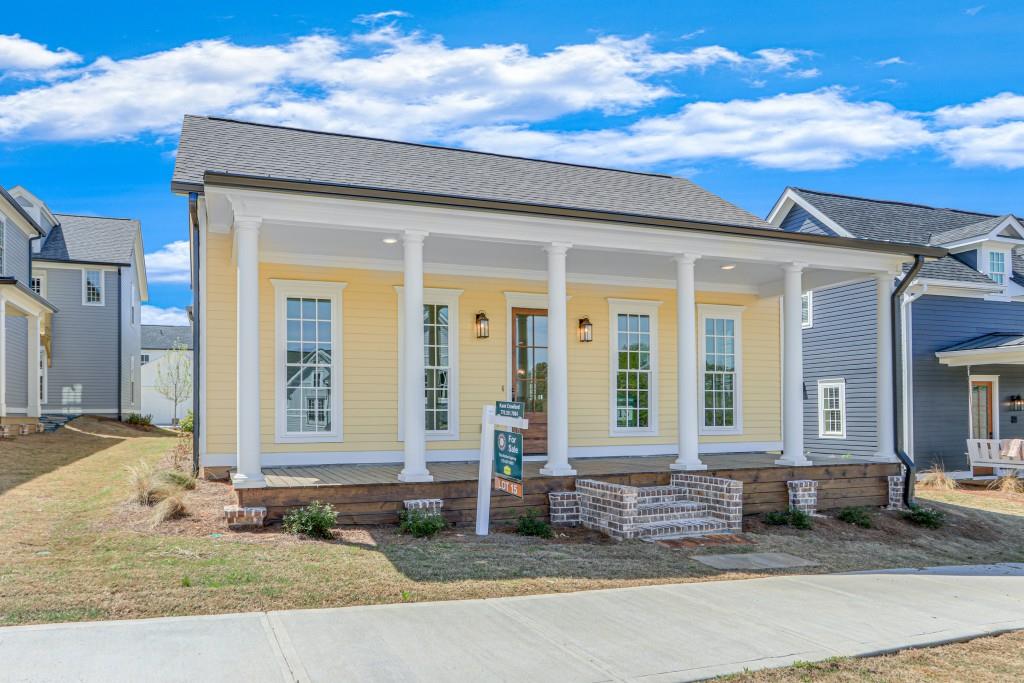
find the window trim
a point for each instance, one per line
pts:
(807, 296)
(822, 384)
(450, 298)
(649, 308)
(985, 263)
(41, 276)
(734, 313)
(283, 289)
(103, 287)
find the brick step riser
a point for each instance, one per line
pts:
(672, 517)
(675, 512)
(679, 531)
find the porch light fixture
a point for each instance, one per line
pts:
(728, 266)
(586, 330)
(483, 326)
(390, 240)
(1016, 403)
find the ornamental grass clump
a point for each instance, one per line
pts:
(1010, 483)
(183, 480)
(171, 507)
(315, 520)
(421, 523)
(937, 480)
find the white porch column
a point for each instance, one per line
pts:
(558, 371)
(793, 370)
(413, 391)
(33, 366)
(883, 368)
(686, 309)
(248, 473)
(3, 356)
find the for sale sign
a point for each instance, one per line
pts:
(508, 462)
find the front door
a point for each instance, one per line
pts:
(981, 410)
(530, 374)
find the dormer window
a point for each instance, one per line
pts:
(997, 266)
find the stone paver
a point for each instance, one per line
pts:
(754, 561)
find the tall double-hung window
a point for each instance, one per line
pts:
(997, 266)
(634, 366)
(92, 287)
(832, 408)
(440, 361)
(721, 369)
(308, 358)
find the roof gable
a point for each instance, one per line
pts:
(166, 336)
(91, 239)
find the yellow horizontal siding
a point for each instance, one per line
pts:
(370, 357)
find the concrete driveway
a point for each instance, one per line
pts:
(660, 633)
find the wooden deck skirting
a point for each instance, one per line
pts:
(370, 494)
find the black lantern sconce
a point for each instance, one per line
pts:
(586, 330)
(1016, 404)
(483, 326)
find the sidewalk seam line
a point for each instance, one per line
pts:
(288, 657)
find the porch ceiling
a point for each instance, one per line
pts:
(490, 257)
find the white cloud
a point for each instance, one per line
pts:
(777, 58)
(817, 130)
(1006, 106)
(804, 73)
(989, 132)
(154, 315)
(19, 54)
(973, 11)
(380, 16)
(170, 263)
(693, 34)
(890, 61)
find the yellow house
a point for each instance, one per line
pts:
(360, 301)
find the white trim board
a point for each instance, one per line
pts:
(791, 197)
(734, 313)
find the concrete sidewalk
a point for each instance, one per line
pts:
(659, 633)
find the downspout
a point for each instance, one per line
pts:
(193, 216)
(120, 349)
(908, 464)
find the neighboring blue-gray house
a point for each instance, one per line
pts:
(92, 271)
(962, 321)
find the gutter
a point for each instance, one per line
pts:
(193, 217)
(120, 350)
(908, 464)
(358, 192)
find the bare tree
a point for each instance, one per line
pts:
(174, 376)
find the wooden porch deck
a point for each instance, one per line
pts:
(372, 494)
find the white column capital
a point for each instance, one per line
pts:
(795, 267)
(248, 223)
(557, 247)
(686, 259)
(414, 236)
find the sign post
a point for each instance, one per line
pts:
(507, 414)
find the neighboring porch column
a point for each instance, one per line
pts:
(3, 356)
(248, 473)
(558, 371)
(34, 397)
(412, 381)
(688, 405)
(793, 370)
(884, 365)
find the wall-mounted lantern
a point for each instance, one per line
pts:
(1016, 403)
(483, 326)
(586, 330)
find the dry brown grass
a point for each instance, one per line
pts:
(1010, 483)
(171, 507)
(72, 549)
(936, 479)
(995, 659)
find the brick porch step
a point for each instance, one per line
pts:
(681, 509)
(680, 528)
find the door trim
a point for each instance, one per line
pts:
(537, 300)
(994, 380)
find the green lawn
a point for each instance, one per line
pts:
(72, 549)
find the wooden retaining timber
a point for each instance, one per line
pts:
(764, 489)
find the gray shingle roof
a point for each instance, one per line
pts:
(994, 340)
(166, 336)
(949, 268)
(90, 238)
(248, 149)
(979, 229)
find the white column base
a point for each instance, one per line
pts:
(794, 462)
(557, 471)
(411, 477)
(688, 466)
(241, 481)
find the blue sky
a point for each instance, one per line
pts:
(920, 102)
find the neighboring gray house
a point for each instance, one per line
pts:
(962, 321)
(25, 317)
(92, 270)
(160, 347)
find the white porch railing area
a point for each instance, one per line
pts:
(1005, 453)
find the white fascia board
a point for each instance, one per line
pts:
(790, 198)
(342, 213)
(1009, 355)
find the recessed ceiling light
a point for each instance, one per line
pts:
(729, 266)
(390, 240)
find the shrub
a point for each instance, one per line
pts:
(531, 525)
(182, 480)
(856, 516)
(185, 424)
(315, 520)
(1010, 483)
(142, 483)
(420, 523)
(171, 507)
(798, 519)
(937, 479)
(139, 420)
(929, 518)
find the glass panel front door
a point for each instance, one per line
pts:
(981, 410)
(530, 374)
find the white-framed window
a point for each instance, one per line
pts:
(92, 288)
(633, 366)
(807, 310)
(997, 266)
(832, 408)
(721, 366)
(144, 359)
(38, 284)
(307, 360)
(440, 362)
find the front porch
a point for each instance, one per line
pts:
(25, 320)
(371, 494)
